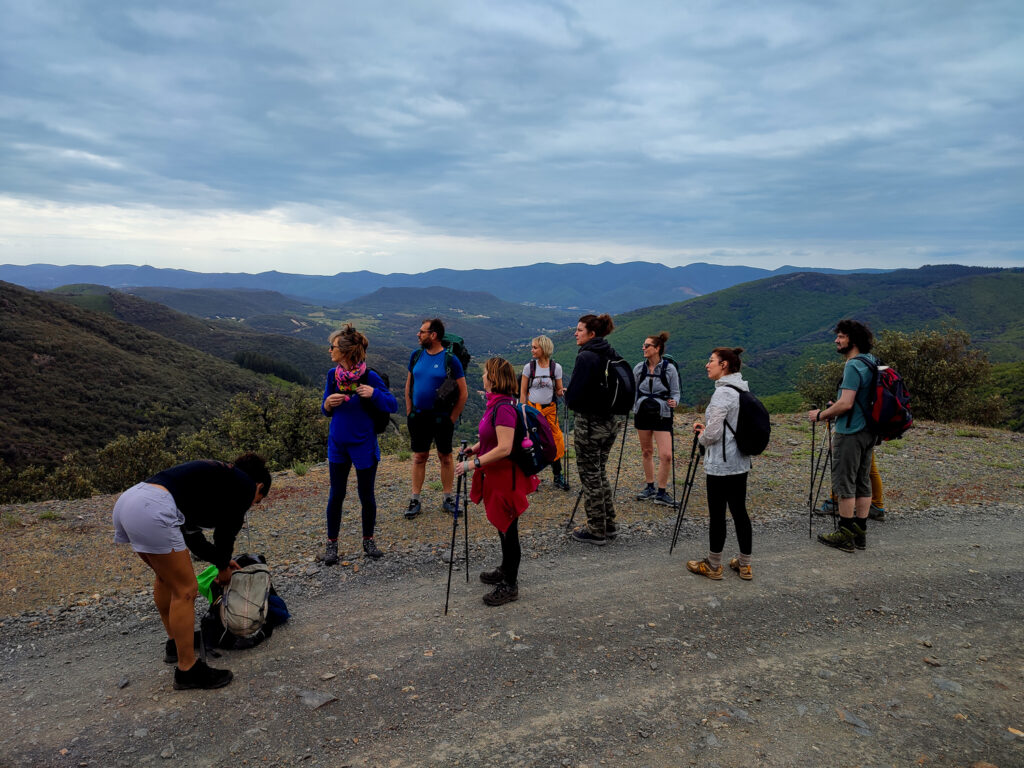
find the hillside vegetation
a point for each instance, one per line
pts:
(785, 322)
(73, 378)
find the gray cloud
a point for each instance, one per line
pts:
(659, 125)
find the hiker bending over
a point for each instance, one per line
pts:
(596, 427)
(432, 412)
(498, 482)
(163, 517)
(853, 445)
(540, 386)
(725, 465)
(657, 393)
(351, 390)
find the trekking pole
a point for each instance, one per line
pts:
(465, 515)
(455, 525)
(625, 428)
(691, 473)
(824, 462)
(672, 458)
(579, 497)
(810, 491)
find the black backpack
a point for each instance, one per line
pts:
(448, 393)
(380, 418)
(753, 427)
(662, 374)
(619, 385)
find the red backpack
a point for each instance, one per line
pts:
(888, 414)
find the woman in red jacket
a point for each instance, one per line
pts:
(498, 482)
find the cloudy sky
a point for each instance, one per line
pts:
(321, 137)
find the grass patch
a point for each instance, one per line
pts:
(404, 455)
(300, 468)
(435, 485)
(49, 514)
(1002, 465)
(969, 433)
(11, 520)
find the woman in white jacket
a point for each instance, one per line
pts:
(725, 466)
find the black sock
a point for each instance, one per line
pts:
(661, 490)
(651, 486)
(847, 523)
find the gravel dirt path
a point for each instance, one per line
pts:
(909, 653)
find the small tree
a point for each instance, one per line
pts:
(945, 376)
(130, 459)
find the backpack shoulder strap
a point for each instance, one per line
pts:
(533, 371)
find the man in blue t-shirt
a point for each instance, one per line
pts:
(435, 394)
(854, 443)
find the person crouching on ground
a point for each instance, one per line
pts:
(497, 481)
(657, 392)
(352, 441)
(540, 386)
(725, 466)
(163, 517)
(596, 427)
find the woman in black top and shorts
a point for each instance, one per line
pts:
(657, 392)
(163, 517)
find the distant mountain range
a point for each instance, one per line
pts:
(783, 322)
(603, 287)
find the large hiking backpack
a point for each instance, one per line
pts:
(448, 393)
(243, 607)
(753, 427)
(888, 414)
(212, 628)
(667, 360)
(619, 386)
(533, 447)
(380, 418)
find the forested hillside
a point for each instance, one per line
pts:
(73, 378)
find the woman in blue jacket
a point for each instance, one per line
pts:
(351, 390)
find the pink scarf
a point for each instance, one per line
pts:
(347, 381)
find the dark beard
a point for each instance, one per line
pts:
(843, 351)
(426, 344)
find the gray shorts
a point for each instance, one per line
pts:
(851, 464)
(147, 518)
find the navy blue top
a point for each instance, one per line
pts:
(350, 423)
(210, 494)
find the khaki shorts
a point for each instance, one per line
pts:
(851, 465)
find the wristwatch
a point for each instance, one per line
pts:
(476, 462)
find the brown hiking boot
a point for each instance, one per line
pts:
(703, 568)
(745, 571)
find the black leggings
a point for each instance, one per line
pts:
(365, 480)
(511, 553)
(731, 491)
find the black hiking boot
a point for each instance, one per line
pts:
(860, 537)
(448, 507)
(561, 483)
(370, 549)
(503, 593)
(414, 509)
(664, 498)
(331, 553)
(584, 536)
(611, 530)
(647, 493)
(842, 540)
(201, 676)
(492, 577)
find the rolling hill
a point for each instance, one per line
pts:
(74, 378)
(784, 321)
(603, 287)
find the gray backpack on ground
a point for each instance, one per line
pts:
(243, 609)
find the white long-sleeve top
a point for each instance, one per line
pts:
(724, 407)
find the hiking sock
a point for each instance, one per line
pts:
(847, 523)
(650, 487)
(715, 559)
(449, 497)
(661, 490)
(744, 560)
(414, 497)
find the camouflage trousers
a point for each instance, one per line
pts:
(595, 437)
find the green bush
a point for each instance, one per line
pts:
(946, 377)
(128, 460)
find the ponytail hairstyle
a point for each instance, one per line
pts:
(351, 344)
(730, 356)
(599, 325)
(659, 341)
